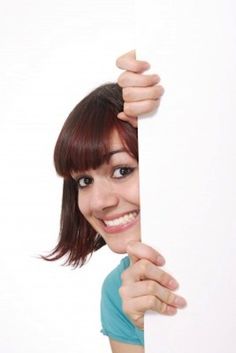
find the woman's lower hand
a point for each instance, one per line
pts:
(141, 93)
(145, 286)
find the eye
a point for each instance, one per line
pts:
(122, 172)
(83, 182)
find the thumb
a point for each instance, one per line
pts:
(133, 259)
(131, 253)
(137, 250)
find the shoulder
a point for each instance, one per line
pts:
(110, 289)
(113, 279)
(115, 323)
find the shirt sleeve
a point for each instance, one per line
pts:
(115, 323)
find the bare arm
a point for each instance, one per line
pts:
(119, 347)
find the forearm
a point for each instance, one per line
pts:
(119, 347)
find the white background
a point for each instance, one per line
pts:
(188, 169)
(52, 53)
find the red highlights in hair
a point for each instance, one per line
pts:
(84, 140)
(84, 143)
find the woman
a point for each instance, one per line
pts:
(97, 155)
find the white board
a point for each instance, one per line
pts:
(188, 168)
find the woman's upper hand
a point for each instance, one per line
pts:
(141, 93)
(145, 286)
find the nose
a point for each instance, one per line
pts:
(103, 197)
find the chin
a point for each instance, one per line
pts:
(119, 244)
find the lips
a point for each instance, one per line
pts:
(120, 223)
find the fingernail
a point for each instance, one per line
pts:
(171, 310)
(120, 115)
(146, 65)
(173, 284)
(161, 260)
(156, 78)
(181, 302)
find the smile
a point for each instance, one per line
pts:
(123, 220)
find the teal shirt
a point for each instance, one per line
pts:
(115, 323)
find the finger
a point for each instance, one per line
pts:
(136, 317)
(132, 120)
(135, 94)
(128, 62)
(148, 287)
(144, 251)
(141, 107)
(135, 306)
(131, 79)
(139, 322)
(143, 270)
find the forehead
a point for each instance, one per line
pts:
(115, 141)
(97, 158)
(116, 147)
(117, 152)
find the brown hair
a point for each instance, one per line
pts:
(83, 143)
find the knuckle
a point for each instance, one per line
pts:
(163, 307)
(150, 106)
(122, 79)
(150, 80)
(128, 109)
(143, 266)
(169, 297)
(136, 317)
(123, 292)
(127, 94)
(151, 302)
(139, 322)
(150, 287)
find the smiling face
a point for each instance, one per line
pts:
(108, 197)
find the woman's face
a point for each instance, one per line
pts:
(109, 197)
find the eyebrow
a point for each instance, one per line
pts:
(111, 153)
(108, 156)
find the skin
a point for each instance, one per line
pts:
(112, 191)
(141, 92)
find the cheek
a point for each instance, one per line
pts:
(134, 194)
(132, 191)
(83, 205)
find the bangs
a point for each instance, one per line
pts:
(90, 146)
(84, 142)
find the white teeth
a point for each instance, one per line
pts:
(121, 220)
